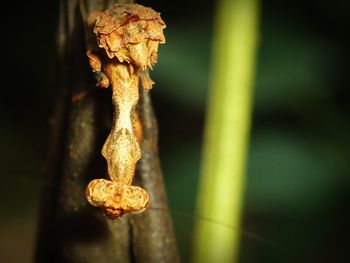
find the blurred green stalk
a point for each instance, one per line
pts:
(227, 131)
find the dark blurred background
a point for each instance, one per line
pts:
(298, 185)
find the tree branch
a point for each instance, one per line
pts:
(70, 230)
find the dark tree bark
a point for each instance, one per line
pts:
(152, 234)
(71, 230)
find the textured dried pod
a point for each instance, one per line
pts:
(131, 33)
(122, 151)
(116, 199)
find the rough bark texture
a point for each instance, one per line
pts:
(71, 230)
(152, 233)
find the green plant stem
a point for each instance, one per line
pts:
(227, 130)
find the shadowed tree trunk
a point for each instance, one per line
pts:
(70, 229)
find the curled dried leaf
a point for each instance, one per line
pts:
(146, 81)
(128, 33)
(94, 60)
(96, 66)
(131, 33)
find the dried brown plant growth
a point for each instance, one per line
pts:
(129, 35)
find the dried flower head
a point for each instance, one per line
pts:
(130, 32)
